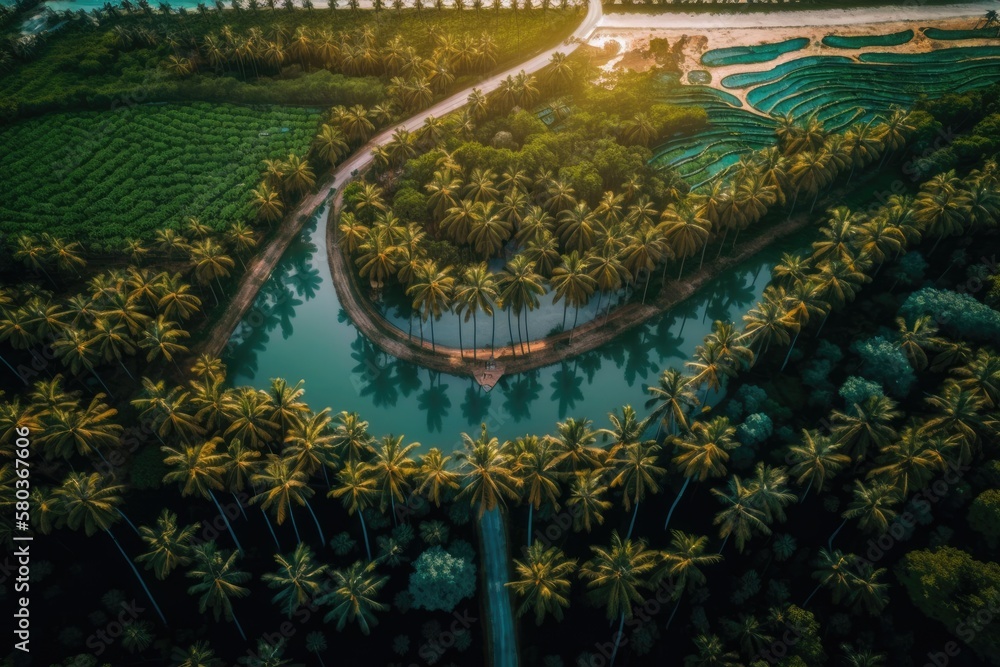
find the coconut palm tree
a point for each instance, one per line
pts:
(520, 288)
(535, 463)
(816, 459)
(268, 203)
(284, 485)
(710, 367)
(476, 291)
(87, 501)
(431, 294)
(331, 144)
(210, 263)
(767, 322)
(682, 564)
(176, 301)
(672, 398)
(219, 582)
(834, 571)
(490, 476)
(573, 284)
(351, 440)
(911, 462)
(635, 470)
(768, 491)
(392, 469)
(741, 516)
(543, 581)
(872, 505)
(168, 545)
(79, 429)
(353, 599)
(199, 470)
(957, 411)
(357, 490)
(981, 376)
(161, 339)
(586, 499)
(864, 425)
(802, 302)
(299, 579)
(616, 575)
(685, 230)
(703, 453)
(576, 442)
(436, 480)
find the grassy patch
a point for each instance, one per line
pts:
(82, 67)
(101, 177)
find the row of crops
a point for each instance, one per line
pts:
(839, 90)
(732, 131)
(103, 177)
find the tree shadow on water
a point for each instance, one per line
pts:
(306, 280)
(434, 401)
(477, 404)
(376, 377)
(566, 388)
(408, 376)
(519, 393)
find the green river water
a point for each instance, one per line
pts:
(298, 330)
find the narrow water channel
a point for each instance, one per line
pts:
(298, 330)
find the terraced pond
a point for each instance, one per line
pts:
(840, 90)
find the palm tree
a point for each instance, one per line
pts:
(169, 546)
(535, 463)
(78, 429)
(911, 462)
(176, 301)
(682, 564)
(872, 505)
(833, 570)
(219, 582)
(520, 288)
(85, 500)
(436, 479)
(573, 283)
(392, 468)
(767, 322)
(586, 501)
(351, 440)
(703, 453)
(616, 575)
(210, 262)
(636, 472)
(543, 581)
(357, 490)
(741, 516)
(816, 459)
(331, 144)
(489, 473)
(711, 367)
(672, 397)
(354, 596)
(199, 470)
(431, 294)
(268, 203)
(299, 579)
(802, 302)
(576, 443)
(957, 411)
(284, 484)
(299, 176)
(309, 444)
(768, 491)
(864, 425)
(685, 230)
(476, 292)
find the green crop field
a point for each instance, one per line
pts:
(102, 177)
